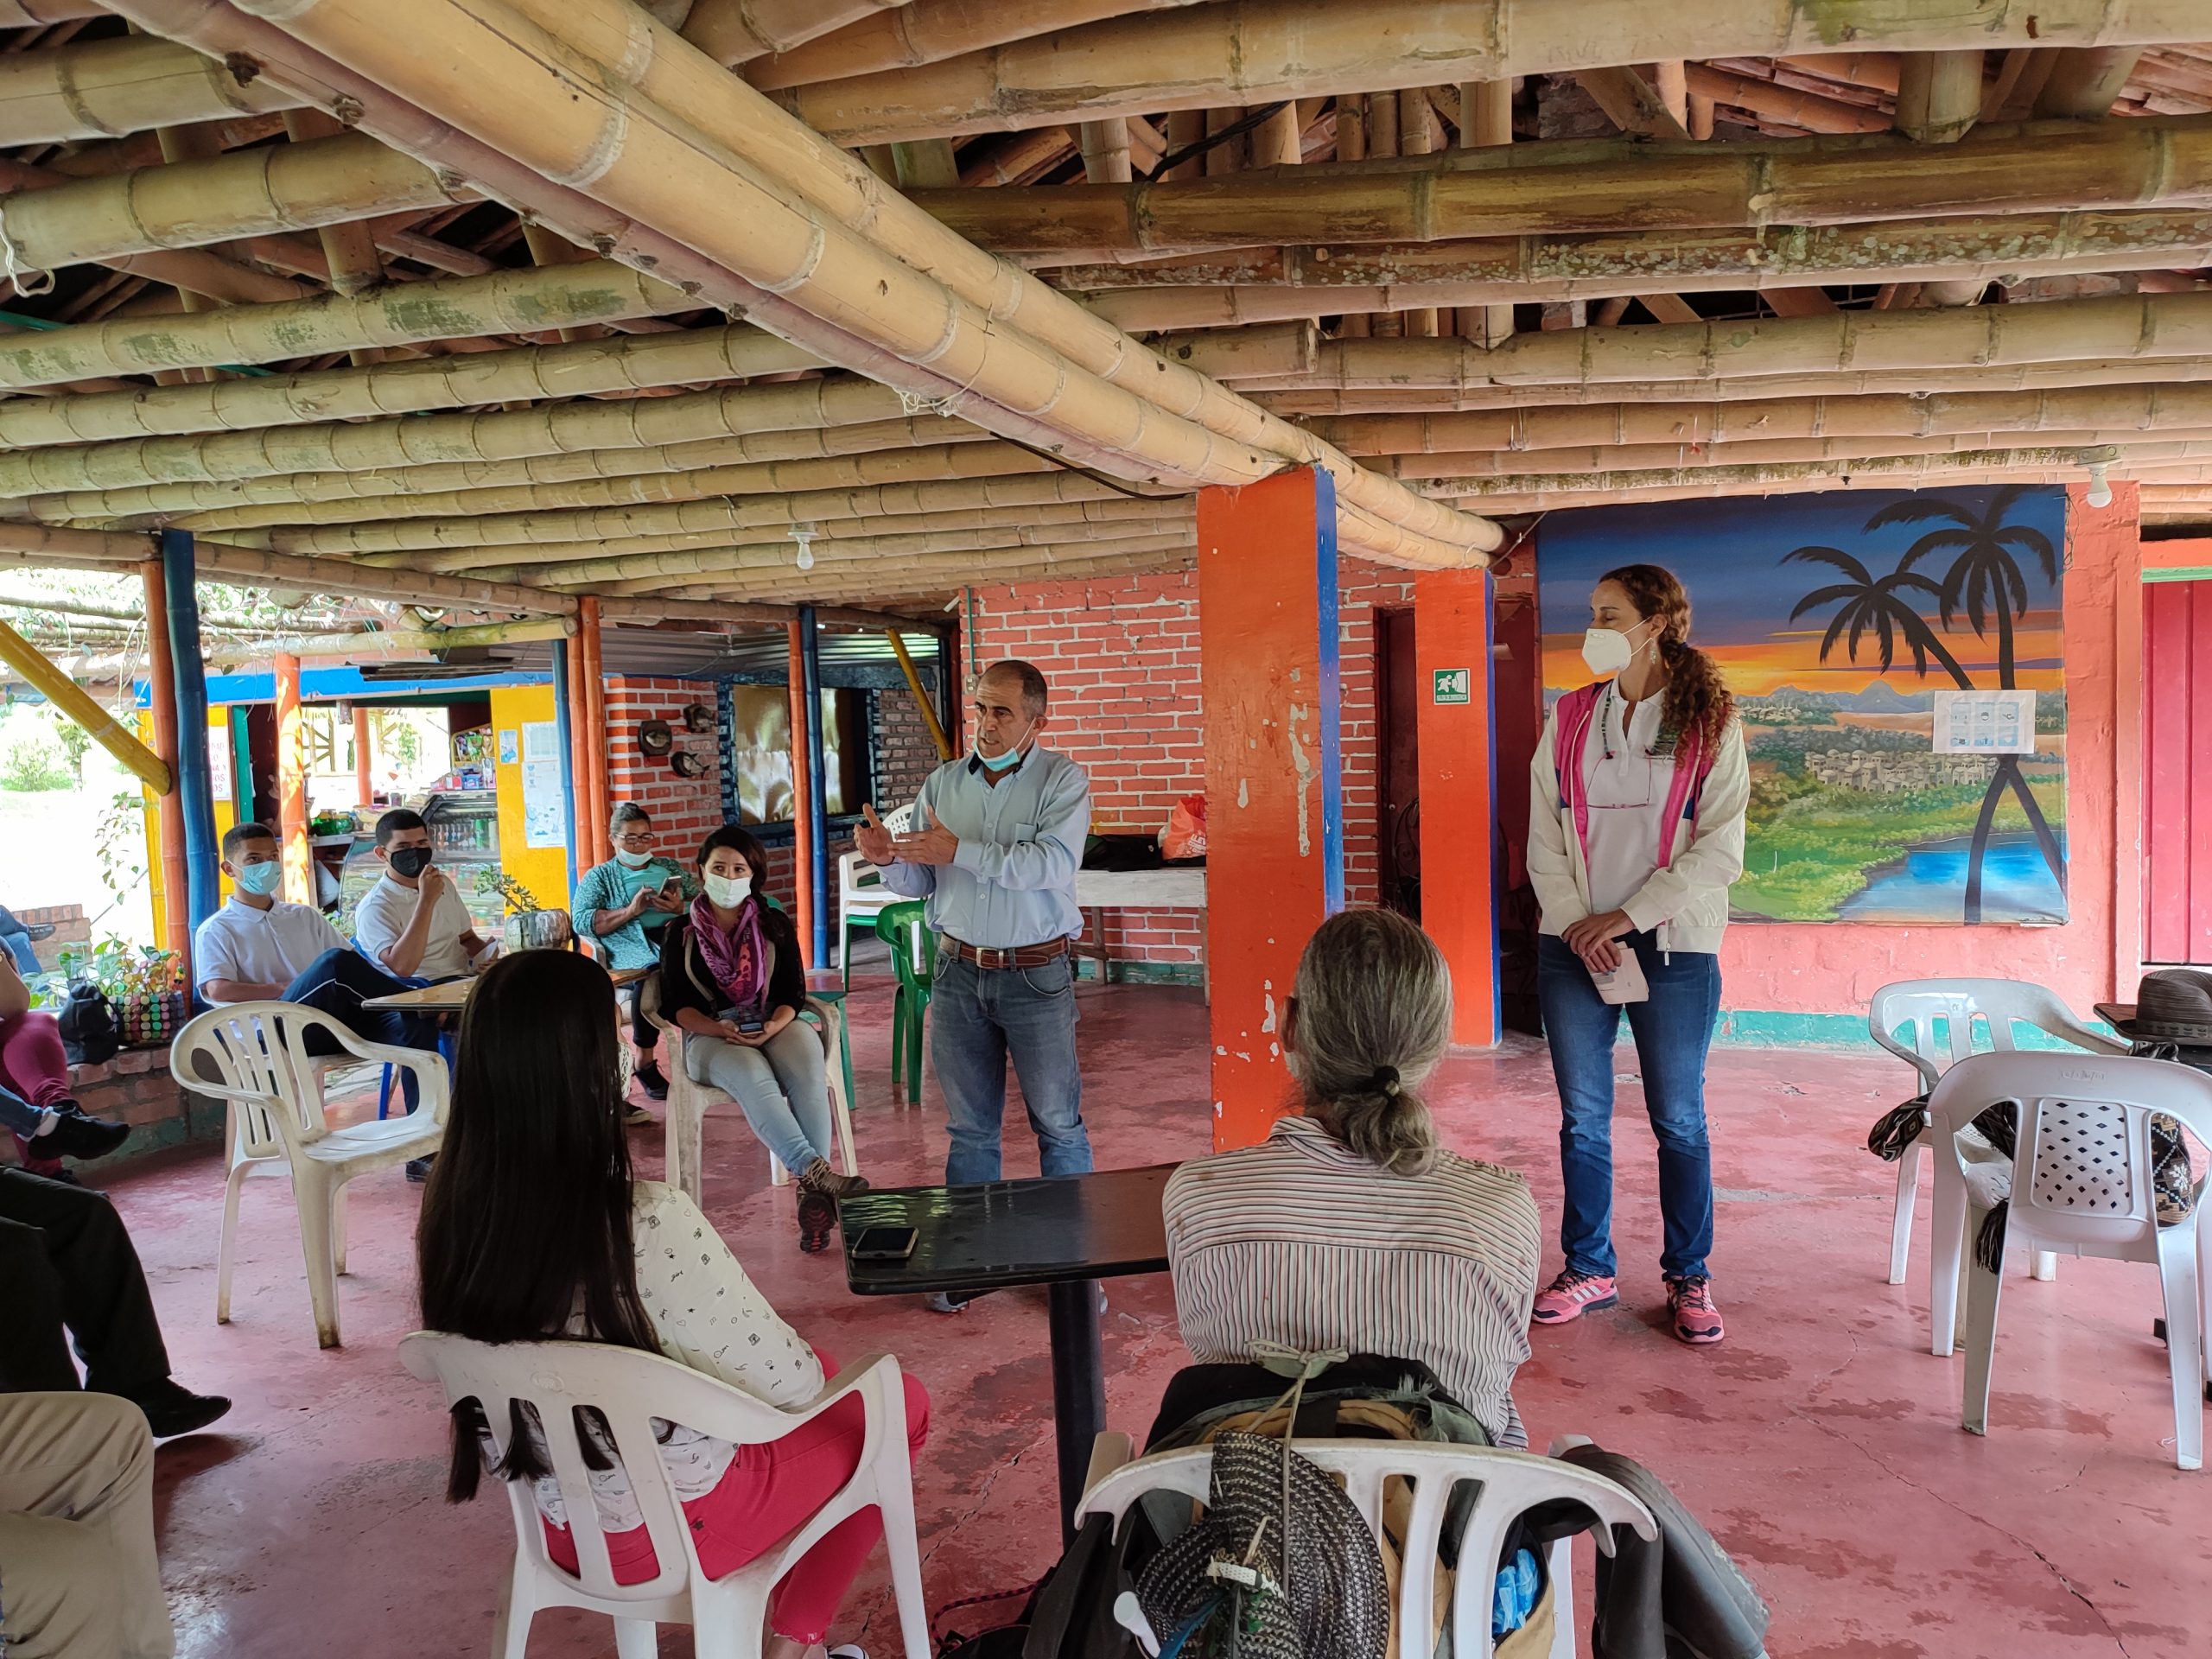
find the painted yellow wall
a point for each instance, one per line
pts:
(544, 870)
(222, 772)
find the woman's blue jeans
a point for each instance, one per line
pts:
(1673, 1030)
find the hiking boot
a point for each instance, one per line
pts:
(75, 1135)
(1691, 1312)
(650, 1078)
(1573, 1294)
(818, 1177)
(817, 1219)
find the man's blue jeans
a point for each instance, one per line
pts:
(978, 1019)
(17, 939)
(1673, 1030)
(18, 1115)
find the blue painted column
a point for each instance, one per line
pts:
(816, 829)
(948, 695)
(565, 726)
(189, 671)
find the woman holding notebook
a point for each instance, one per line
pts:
(1636, 831)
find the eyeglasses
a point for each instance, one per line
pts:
(636, 843)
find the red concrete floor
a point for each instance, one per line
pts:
(1820, 1444)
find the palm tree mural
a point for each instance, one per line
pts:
(1985, 582)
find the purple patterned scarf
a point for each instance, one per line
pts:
(738, 959)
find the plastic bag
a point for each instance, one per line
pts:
(1185, 834)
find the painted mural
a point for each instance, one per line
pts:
(1838, 619)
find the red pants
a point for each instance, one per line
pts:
(769, 1492)
(33, 1064)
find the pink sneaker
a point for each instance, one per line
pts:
(1689, 1304)
(1573, 1294)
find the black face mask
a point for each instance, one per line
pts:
(411, 862)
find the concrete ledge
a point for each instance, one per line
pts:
(1766, 1028)
(1141, 973)
(136, 1088)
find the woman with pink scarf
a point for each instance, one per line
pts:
(731, 978)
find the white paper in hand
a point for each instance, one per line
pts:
(1625, 983)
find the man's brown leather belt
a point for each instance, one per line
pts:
(996, 958)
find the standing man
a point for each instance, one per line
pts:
(997, 840)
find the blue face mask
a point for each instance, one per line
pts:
(260, 880)
(1007, 761)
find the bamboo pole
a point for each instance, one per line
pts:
(1939, 95)
(1444, 472)
(587, 368)
(192, 202)
(2083, 84)
(1259, 51)
(1790, 106)
(962, 563)
(292, 784)
(928, 31)
(1239, 287)
(643, 611)
(739, 31)
(33, 14)
(102, 89)
(1105, 146)
(929, 580)
(589, 642)
(1560, 188)
(169, 804)
(58, 688)
(802, 724)
(921, 697)
(349, 247)
(364, 758)
(447, 308)
(1485, 120)
(797, 245)
(579, 758)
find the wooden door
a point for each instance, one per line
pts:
(2177, 773)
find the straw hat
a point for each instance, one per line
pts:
(2171, 1004)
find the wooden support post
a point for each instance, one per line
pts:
(1485, 119)
(364, 762)
(576, 755)
(1267, 634)
(74, 703)
(596, 738)
(564, 730)
(1458, 819)
(817, 827)
(169, 804)
(1939, 95)
(201, 851)
(803, 717)
(921, 697)
(292, 784)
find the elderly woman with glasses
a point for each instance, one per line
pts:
(622, 907)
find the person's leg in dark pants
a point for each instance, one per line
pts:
(92, 1271)
(1674, 1030)
(36, 1356)
(337, 983)
(968, 1053)
(1036, 1010)
(1581, 1027)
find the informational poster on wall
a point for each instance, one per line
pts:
(218, 762)
(1984, 722)
(544, 821)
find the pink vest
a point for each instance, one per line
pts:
(1577, 712)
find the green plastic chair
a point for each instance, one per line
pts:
(904, 927)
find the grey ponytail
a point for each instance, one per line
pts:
(1374, 1016)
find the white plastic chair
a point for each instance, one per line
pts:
(1512, 1482)
(861, 893)
(1915, 1006)
(630, 1388)
(690, 1102)
(2081, 1184)
(254, 1056)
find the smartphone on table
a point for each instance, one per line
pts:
(884, 1244)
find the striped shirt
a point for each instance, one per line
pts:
(1301, 1241)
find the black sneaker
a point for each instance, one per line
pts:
(75, 1135)
(171, 1408)
(817, 1220)
(650, 1077)
(418, 1169)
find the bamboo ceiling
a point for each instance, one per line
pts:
(488, 307)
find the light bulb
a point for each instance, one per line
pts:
(805, 540)
(2100, 493)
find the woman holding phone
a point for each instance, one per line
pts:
(622, 906)
(731, 977)
(1636, 831)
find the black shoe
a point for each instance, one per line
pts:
(75, 1135)
(418, 1169)
(649, 1076)
(817, 1220)
(38, 932)
(171, 1408)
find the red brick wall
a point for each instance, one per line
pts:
(1121, 656)
(683, 809)
(905, 751)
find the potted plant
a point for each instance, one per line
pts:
(529, 926)
(143, 985)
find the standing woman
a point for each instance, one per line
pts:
(623, 906)
(731, 977)
(1636, 831)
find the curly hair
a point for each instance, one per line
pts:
(1697, 699)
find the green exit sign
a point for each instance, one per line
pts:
(1452, 685)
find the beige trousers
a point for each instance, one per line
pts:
(78, 1576)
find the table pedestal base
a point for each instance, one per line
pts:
(1078, 1388)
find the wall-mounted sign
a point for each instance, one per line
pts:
(1452, 685)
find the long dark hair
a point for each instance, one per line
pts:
(527, 1217)
(1698, 699)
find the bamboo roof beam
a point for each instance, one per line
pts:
(506, 301)
(1939, 95)
(799, 247)
(1631, 102)
(738, 31)
(2085, 82)
(1445, 472)
(1790, 106)
(1561, 188)
(35, 14)
(102, 89)
(1873, 72)
(193, 202)
(928, 31)
(771, 568)
(587, 368)
(1258, 51)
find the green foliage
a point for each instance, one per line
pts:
(75, 741)
(492, 879)
(119, 841)
(36, 764)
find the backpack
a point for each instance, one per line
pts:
(89, 1035)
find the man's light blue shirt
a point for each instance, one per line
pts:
(1012, 881)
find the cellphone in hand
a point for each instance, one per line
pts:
(884, 1244)
(753, 1028)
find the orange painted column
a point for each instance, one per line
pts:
(1458, 817)
(579, 756)
(292, 784)
(595, 734)
(168, 809)
(364, 775)
(802, 803)
(1268, 593)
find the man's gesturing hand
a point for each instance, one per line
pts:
(930, 844)
(872, 838)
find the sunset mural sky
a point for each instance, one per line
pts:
(1730, 553)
